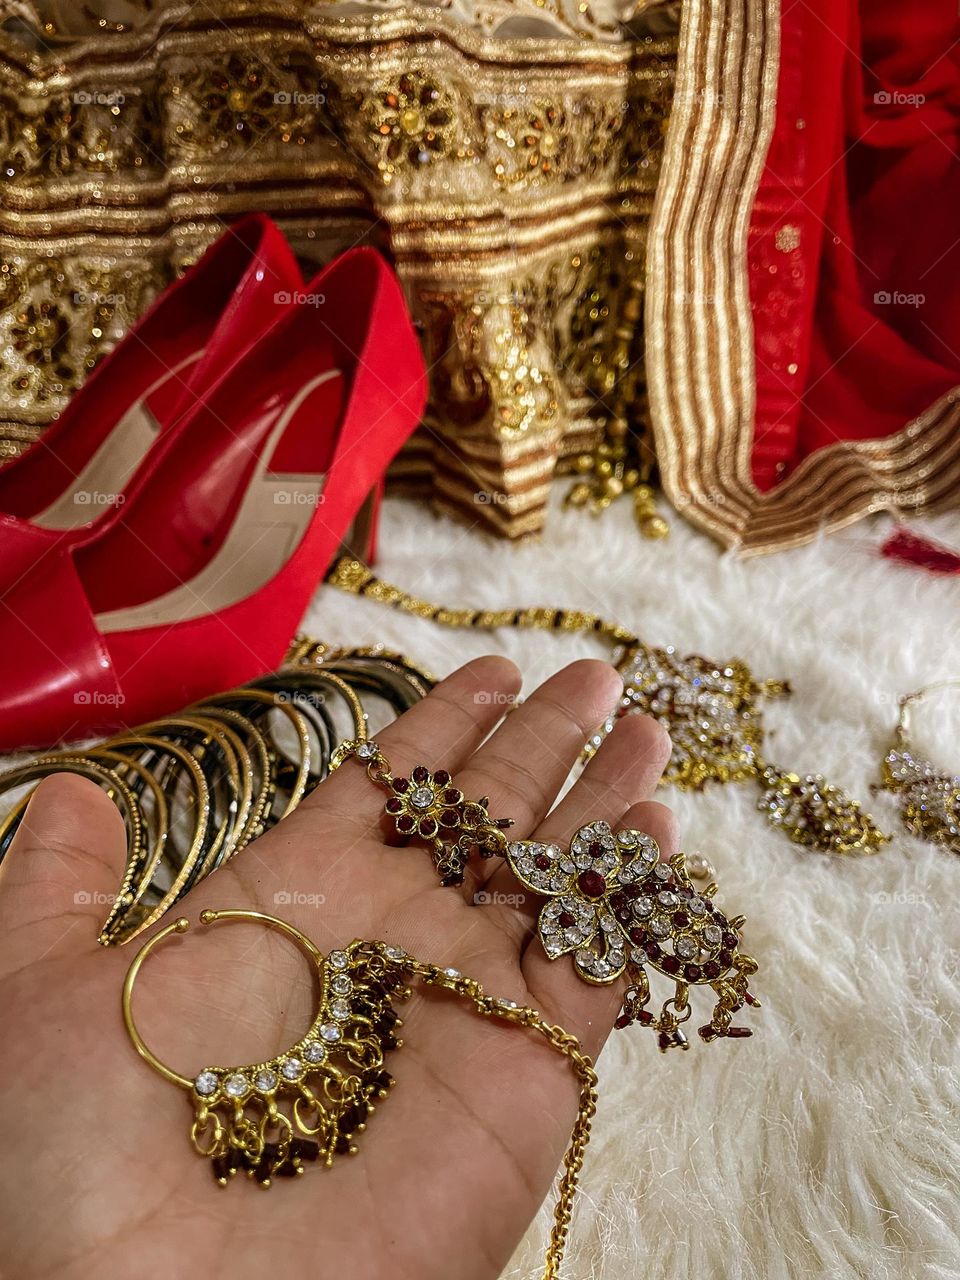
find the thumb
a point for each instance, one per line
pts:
(61, 871)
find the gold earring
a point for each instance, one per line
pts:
(929, 798)
(308, 1102)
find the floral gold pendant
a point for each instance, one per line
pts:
(617, 909)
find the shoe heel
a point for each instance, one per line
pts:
(361, 540)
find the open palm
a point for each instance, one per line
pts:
(97, 1175)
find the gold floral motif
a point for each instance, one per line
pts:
(57, 318)
(90, 130)
(238, 101)
(546, 141)
(410, 122)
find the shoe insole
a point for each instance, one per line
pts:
(102, 481)
(269, 524)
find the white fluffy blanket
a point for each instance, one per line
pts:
(828, 1145)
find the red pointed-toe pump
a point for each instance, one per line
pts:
(87, 461)
(201, 580)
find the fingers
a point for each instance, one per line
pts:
(60, 874)
(441, 731)
(627, 768)
(526, 762)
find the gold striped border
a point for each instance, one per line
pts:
(699, 330)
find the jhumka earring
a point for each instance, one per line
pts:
(306, 1105)
(929, 798)
(713, 711)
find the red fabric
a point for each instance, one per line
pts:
(854, 251)
(911, 548)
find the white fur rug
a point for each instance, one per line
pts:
(828, 1145)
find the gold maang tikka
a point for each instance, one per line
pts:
(712, 710)
(929, 798)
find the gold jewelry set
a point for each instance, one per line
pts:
(611, 902)
(229, 768)
(713, 711)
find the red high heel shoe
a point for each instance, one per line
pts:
(87, 462)
(201, 579)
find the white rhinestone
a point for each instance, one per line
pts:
(292, 1069)
(628, 838)
(421, 797)
(338, 960)
(367, 750)
(315, 1052)
(452, 973)
(341, 985)
(638, 956)
(330, 1033)
(395, 953)
(568, 866)
(686, 948)
(660, 928)
(340, 1010)
(206, 1083)
(662, 872)
(643, 907)
(712, 934)
(667, 898)
(265, 1080)
(585, 958)
(236, 1085)
(696, 906)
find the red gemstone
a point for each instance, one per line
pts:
(670, 964)
(401, 785)
(653, 950)
(681, 919)
(623, 915)
(405, 823)
(618, 900)
(632, 890)
(394, 805)
(420, 774)
(623, 1021)
(749, 998)
(739, 1033)
(645, 1016)
(652, 885)
(708, 1032)
(452, 796)
(730, 940)
(726, 958)
(712, 969)
(637, 935)
(591, 884)
(566, 919)
(428, 827)
(441, 777)
(542, 862)
(595, 849)
(692, 973)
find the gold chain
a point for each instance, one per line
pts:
(563, 1042)
(354, 577)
